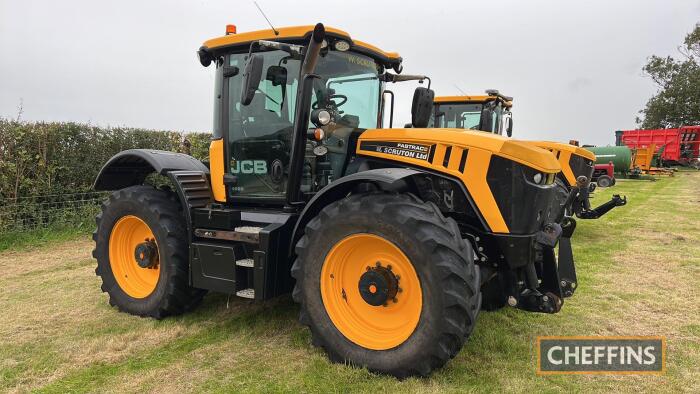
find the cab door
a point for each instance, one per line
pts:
(259, 135)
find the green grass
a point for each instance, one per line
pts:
(639, 271)
(41, 237)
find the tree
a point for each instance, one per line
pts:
(677, 101)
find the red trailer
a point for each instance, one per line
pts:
(681, 145)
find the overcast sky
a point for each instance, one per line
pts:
(574, 67)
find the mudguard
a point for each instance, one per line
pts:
(384, 178)
(130, 167)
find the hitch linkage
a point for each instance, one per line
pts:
(601, 210)
(579, 199)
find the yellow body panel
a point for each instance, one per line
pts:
(216, 169)
(477, 99)
(290, 33)
(519, 151)
(463, 99)
(564, 153)
(481, 146)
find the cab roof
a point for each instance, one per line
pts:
(299, 33)
(470, 99)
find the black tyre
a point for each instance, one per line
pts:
(425, 298)
(142, 248)
(604, 181)
(492, 296)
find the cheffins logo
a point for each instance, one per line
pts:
(601, 355)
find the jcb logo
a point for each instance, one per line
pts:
(249, 167)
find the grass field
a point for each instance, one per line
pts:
(639, 274)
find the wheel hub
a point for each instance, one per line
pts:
(146, 254)
(378, 285)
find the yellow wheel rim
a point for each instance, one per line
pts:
(127, 234)
(344, 274)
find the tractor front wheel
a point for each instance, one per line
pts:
(386, 281)
(141, 247)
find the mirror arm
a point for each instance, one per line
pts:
(387, 77)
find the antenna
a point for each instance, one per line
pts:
(462, 91)
(277, 33)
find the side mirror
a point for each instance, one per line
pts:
(486, 123)
(509, 130)
(277, 75)
(422, 107)
(251, 78)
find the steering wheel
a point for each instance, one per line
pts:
(330, 100)
(342, 97)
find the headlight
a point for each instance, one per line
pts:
(324, 117)
(320, 117)
(537, 178)
(342, 46)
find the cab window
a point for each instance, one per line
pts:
(260, 133)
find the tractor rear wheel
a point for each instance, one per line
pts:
(386, 281)
(141, 247)
(604, 181)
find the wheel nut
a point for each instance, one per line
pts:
(563, 283)
(545, 298)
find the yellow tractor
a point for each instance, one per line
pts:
(492, 112)
(383, 236)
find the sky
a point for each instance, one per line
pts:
(574, 68)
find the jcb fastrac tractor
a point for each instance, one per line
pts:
(491, 113)
(384, 235)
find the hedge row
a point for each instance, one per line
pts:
(47, 158)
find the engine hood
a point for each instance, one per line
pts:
(437, 138)
(559, 146)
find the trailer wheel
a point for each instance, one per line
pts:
(142, 250)
(604, 181)
(386, 281)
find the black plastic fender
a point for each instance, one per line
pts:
(130, 167)
(383, 178)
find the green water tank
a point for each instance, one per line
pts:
(621, 156)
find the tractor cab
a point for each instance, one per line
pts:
(254, 129)
(490, 112)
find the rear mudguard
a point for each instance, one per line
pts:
(130, 167)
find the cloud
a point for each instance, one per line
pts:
(579, 84)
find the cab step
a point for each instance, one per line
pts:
(248, 263)
(246, 293)
(248, 234)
